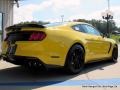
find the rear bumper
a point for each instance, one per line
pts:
(27, 61)
(32, 62)
(51, 54)
(21, 60)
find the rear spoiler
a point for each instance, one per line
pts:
(18, 27)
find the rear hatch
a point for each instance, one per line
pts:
(22, 33)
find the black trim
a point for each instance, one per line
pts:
(110, 47)
(20, 60)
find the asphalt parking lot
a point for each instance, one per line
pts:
(101, 76)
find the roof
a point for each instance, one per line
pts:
(74, 23)
(59, 24)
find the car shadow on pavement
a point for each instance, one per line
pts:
(97, 66)
(19, 76)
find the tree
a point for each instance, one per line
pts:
(33, 22)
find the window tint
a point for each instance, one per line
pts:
(91, 30)
(78, 28)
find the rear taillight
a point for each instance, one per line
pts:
(37, 36)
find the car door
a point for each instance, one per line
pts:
(91, 44)
(97, 47)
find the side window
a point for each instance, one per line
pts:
(91, 30)
(78, 28)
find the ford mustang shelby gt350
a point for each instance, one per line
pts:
(68, 44)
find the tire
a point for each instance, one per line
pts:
(114, 55)
(75, 60)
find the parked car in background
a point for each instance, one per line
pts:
(116, 32)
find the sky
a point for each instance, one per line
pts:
(52, 10)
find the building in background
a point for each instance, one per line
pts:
(6, 14)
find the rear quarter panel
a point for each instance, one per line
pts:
(62, 39)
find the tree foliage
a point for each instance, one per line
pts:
(34, 22)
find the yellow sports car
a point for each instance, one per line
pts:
(69, 45)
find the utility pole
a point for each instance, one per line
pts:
(108, 31)
(62, 18)
(107, 15)
(108, 4)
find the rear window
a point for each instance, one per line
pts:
(54, 24)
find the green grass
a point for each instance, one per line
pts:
(116, 38)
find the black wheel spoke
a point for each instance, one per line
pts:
(76, 57)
